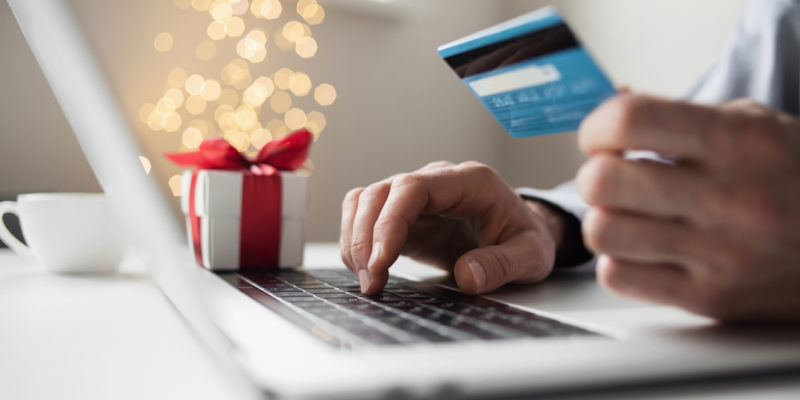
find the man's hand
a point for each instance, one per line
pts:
(463, 218)
(718, 232)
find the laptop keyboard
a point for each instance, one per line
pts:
(331, 304)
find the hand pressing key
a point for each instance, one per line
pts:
(463, 218)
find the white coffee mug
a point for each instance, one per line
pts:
(66, 232)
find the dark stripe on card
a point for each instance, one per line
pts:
(511, 51)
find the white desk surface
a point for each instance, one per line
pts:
(117, 337)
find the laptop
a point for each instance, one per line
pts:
(307, 333)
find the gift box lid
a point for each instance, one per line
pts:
(219, 193)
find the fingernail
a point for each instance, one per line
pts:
(478, 274)
(377, 250)
(365, 279)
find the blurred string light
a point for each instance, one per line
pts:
(197, 106)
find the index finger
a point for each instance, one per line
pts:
(446, 192)
(676, 129)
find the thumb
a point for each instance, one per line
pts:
(526, 257)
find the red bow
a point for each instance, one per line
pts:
(261, 192)
(287, 154)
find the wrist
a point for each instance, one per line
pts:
(554, 221)
(565, 229)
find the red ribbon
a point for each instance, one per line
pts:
(260, 229)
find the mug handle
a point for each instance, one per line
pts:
(10, 207)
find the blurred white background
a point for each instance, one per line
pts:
(398, 106)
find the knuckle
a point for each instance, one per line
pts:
(595, 179)
(596, 227)
(359, 244)
(438, 165)
(374, 190)
(404, 180)
(352, 195)
(479, 170)
(628, 111)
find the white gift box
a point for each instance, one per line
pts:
(218, 204)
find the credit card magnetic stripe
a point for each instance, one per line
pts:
(532, 75)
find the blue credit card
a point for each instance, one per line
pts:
(531, 73)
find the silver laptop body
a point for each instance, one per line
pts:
(268, 355)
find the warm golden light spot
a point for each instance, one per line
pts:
(164, 106)
(145, 110)
(277, 128)
(176, 77)
(314, 14)
(211, 90)
(221, 110)
(195, 105)
(239, 7)
(205, 50)
(267, 83)
(221, 11)
(234, 27)
(325, 94)
(191, 138)
(252, 46)
(228, 97)
(295, 118)
(237, 139)
(300, 84)
(195, 84)
(163, 42)
(280, 102)
(259, 137)
(175, 185)
(293, 30)
(146, 164)
(155, 121)
(254, 95)
(302, 4)
(236, 72)
(173, 98)
(315, 123)
(216, 30)
(172, 122)
(271, 9)
(227, 121)
(255, 8)
(246, 118)
(201, 125)
(282, 77)
(310, 11)
(183, 4)
(306, 47)
(281, 41)
(200, 5)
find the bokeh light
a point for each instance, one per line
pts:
(163, 42)
(325, 94)
(300, 84)
(306, 47)
(175, 184)
(294, 118)
(315, 123)
(205, 50)
(191, 138)
(176, 77)
(280, 102)
(198, 104)
(211, 90)
(146, 164)
(282, 77)
(253, 46)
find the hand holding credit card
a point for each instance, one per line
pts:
(531, 73)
